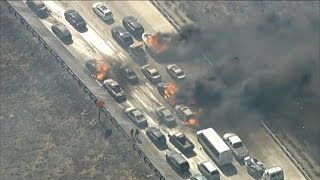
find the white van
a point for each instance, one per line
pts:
(274, 173)
(215, 146)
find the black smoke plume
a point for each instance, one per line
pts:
(266, 67)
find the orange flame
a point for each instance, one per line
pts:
(169, 92)
(102, 71)
(192, 122)
(157, 46)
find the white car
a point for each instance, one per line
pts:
(102, 11)
(175, 72)
(208, 170)
(235, 143)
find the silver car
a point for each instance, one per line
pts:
(136, 117)
(236, 145)
(102, 11)
(175, 72)
(151, 73)
(208, 170)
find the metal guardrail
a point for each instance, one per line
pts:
(85, 88)
(285, 150)
(176, 26)
(166, 15)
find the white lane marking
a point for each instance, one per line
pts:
(147, 91)
(205, 58)
(110, 45)
(90, 36)
(122, 56)
(142, 101)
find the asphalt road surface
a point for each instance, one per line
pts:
(97, 43)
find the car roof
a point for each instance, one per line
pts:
(62, 28)
(156, 131)
(103, 7)
(186, 110)
(114, 83)
(198, 177)
(176, 69)
(38, 4)
(179, 134)
(76, 16)
(166, 112)
(178, 157)
(152, 69)
(209, 165)
(136, 112)
(92, 62)
(234, 139)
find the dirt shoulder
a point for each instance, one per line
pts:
(44, 132)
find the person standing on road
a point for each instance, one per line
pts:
(131, 133)
(137, 133)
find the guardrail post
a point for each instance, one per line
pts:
(80, 83)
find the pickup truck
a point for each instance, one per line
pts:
(180, 141)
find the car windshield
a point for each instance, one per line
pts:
(116, 89)
(169, 117)
(180, 73)
(155, 73)
(237, 145)
(131, 73)
(140, 117)
(108, 13)
(214, 172)
(128, 39)
(103, 7)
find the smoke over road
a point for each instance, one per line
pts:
(275, 74)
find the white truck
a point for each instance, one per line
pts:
(260, 171)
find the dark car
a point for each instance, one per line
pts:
(177, 162)
(157, 137)
(61, 31)
(181, 142)
(151, 73)
(133, 26)
(122, 36)
(115, 90)
(91, 66)
(184, 112)
(137, 53)
(75, 19)
(197, 177)
(136, 117)
(165, 116)
(39, 8)
(175, 72)
(131, 76)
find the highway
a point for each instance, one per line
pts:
(97, 43)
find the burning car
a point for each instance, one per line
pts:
(97, 71)
(186, 115)
(156, 43)
(167, 91)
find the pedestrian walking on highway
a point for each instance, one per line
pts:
(137, 133)
(131, 133)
